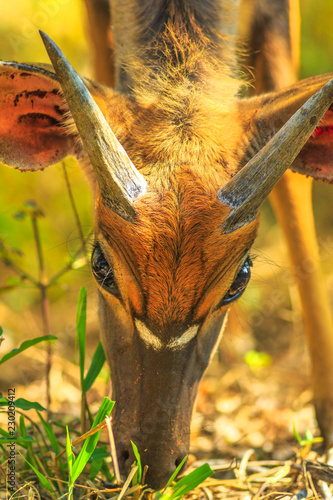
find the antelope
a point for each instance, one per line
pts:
(179, 166)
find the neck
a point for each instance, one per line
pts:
(170, 38)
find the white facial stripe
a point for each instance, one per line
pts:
(155, 342)
(184, 339)
(147, 336)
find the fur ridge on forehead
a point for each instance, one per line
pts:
(177, 247)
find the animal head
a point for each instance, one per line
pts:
(178, 167)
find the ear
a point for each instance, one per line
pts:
(263, 116)
(36, 127)
(32, 117)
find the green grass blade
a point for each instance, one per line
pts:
(23, 404)
(99, 453)
(24, 434)
(91, 442)
(138, 475)
(188, 483)
(53, 440)
(95, 468)
(95, 368)
(81, 321)
(308, 436)
(25, 345)
(26, 405)
(296, 434)
(22, 427)
(106, 471)
(42, 479)
(50, 434)
(70, 460)
(22, 441)
(70, 457)
(174, 475)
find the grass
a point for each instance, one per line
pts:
(42, 450)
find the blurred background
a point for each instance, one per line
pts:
(265, 326)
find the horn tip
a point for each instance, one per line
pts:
(46, 39)
(52, 49)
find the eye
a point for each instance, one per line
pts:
(102, 271)
(239, 284)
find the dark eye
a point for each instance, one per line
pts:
(102, 271)
(239, 284)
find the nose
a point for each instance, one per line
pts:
(161, 461)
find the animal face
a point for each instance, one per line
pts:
(165, 284)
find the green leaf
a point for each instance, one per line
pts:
(138, 475)
(25, 345)
(91, 442)
(26, 405)
(42, 479)
(81, 319)
(13, 281)
(31, 208)
(54, 443)
(308, 436)
(24, 434)
(70, 457)
(23, 404)
(99, 453)
(1, 331)
(22, 426)
(22, 441)
(95, 368)
(50, 434)
(106, 472)
(95, 468)
(188, 483)
(296, 434)
(20, 215)
(175, 474)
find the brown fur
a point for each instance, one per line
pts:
(182, 260)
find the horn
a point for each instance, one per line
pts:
(249, 188)
(119, 181)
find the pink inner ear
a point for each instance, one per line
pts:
(324, 130)
(316, 158)
(325, 127)
(31, 118)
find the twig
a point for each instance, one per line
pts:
(82, 437)
(20, 272)
(45, 305)
(241, 472)
(75, 212)
(113, 450)
(128, 481)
